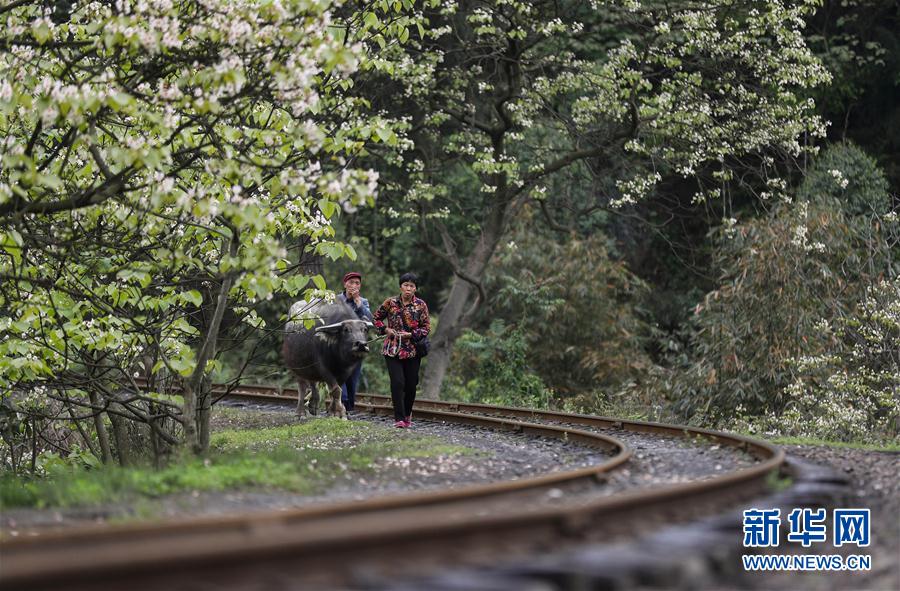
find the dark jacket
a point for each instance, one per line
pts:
(362, 311)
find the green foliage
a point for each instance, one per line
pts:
(850, 391)
(505, 96)
(848, 38)
(777, 482)
(303, 458)
(859, 42)
(50, 463)
(32, 439)
(578, 308)
(793, 440)
(493, 369)
(781, 275)
(156, 173)
(565, 319)
(651, 67)
(518, 92)
(850, 178)
(158, 162)
(156, 157)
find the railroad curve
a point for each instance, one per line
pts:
(304, 545)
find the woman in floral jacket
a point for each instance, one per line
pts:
(404, 319)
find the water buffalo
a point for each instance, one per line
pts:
(328, 352)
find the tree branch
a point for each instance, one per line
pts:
(462, 118)
(450, 258)
(552, 223)
(95, 195)
(16, 4)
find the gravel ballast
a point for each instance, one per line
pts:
(498, 456)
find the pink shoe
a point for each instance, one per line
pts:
(409, 420)
(401, 424)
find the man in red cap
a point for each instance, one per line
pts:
(360, 305)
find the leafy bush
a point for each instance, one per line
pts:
(563, 319)
(851, 390)
(780, 275)
(578, 309)
(846, 175)
(493, 368)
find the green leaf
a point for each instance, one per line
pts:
(350, 252)
(11, 242)
(118, 100)
(193, 297)
(41, 33)
(386, 135)
(327, 207)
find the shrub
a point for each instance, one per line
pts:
(846, 175)
(577, 308)
(851, 390)
(493, 368)
(780, 275)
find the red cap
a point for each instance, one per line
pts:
(352, 275)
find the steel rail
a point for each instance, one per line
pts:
(305, 541)
(758, 448)
(29, 561)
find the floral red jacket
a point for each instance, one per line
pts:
(412, 317)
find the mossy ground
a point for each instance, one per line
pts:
(299, 457)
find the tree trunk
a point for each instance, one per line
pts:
(120, 432)
(455, 316)
(205, 399)
(449, 329)
(34, 438)
(189, 418)
(157, 448)
(102, 435)
(98, 406)
(197, 439)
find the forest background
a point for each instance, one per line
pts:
(656, 210)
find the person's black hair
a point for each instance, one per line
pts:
(411, 277)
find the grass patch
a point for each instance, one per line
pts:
(301, 457)
(835, 444)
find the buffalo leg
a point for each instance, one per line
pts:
(335, 407)
(313, 399)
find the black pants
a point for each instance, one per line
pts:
(404, 379)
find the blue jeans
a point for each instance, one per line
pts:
(348, 390)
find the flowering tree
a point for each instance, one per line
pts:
(851, 390)
(508, 94)
(158, 158)
(794, 288)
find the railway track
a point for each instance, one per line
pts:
(309, 546)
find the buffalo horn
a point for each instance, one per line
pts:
(329, 327)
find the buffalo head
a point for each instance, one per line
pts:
(348, 336)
